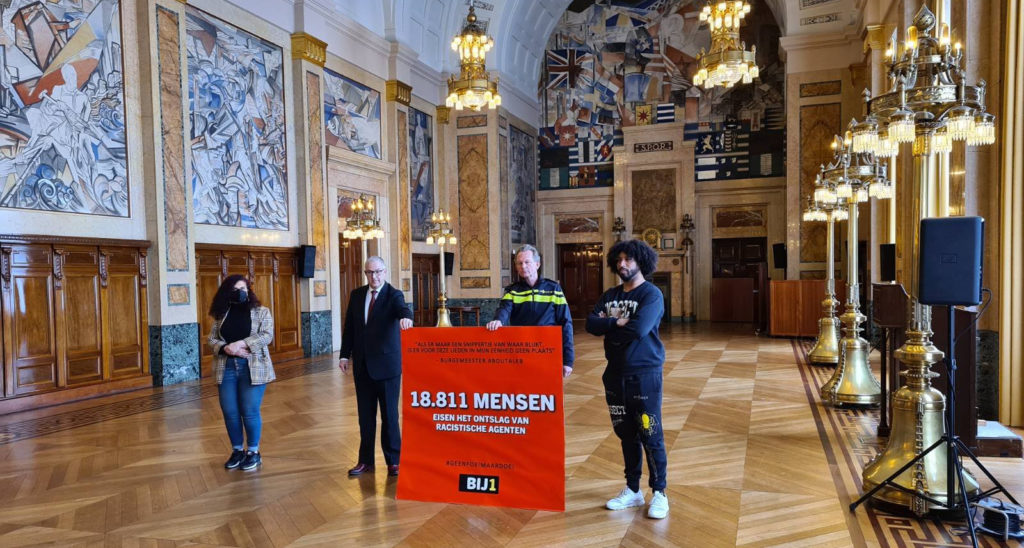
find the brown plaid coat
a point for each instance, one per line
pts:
(261, 371)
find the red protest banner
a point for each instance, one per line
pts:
(482, 417)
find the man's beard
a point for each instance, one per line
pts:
(629, 274)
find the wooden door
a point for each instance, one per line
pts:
(287, 318)
(579, 270)
(126, 313)
(30, 328)
(83, 330)
(738, 284)
(426, 288)
(350, 276)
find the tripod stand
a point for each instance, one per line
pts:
(955, 449)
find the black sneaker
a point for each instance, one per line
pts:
(237, 456)
(252, 461)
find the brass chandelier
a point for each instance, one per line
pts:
(728, 61)
(363, 224)
(473, 88)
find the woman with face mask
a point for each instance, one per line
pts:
(242, 330)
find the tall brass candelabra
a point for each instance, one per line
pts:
(930, 104)
(849, 176)
(441, 233)
(825, 206)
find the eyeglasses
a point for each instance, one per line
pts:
(374, 272)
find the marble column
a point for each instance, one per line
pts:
(174, 329)
(308, 57)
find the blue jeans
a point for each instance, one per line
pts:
(634, 402)
(240, 402)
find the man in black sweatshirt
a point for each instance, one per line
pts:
(628, 316)
(535, 301)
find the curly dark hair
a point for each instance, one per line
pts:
(638, 250)
(222, 300)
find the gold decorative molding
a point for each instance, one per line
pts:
(443, 114)
(878, 37)
(398, 91)
(308, 48)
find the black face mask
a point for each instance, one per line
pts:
(240, 296)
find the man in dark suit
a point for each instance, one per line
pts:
(371, 343)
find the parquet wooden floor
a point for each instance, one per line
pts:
(754, 460)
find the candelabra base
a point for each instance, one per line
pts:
(444, 319)
(852, 383)
(826, 347)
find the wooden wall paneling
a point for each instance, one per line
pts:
(126, 312)
(263, 285)
(812, 292)
(30, 330)
(785, 308)
(86, 338)
(6, 380)
(210, 266)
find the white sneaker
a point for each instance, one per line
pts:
(659, 506)
(625, 499)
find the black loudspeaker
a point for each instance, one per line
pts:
(307, 261)
(950, 261)
(779, 255)
(887, 262)
(449, 263)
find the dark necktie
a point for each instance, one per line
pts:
(373, 299)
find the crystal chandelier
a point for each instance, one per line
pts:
(473, 88)
(728, 61)
(363, 224)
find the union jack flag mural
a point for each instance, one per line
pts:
(570, 68)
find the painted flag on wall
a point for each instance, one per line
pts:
(666, 113)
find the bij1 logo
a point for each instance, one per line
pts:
(478, 484)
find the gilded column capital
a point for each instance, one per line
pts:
(308, 48)
(443, 114)
(877, 36)
(398, 91)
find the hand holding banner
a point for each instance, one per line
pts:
(482, 417)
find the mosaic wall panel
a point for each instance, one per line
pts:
(172, 130)
(578, 225)
(523, 185)
(474, 228)
(178, 295)
(404, 231)
(817, 89)
(316, 169)
(351, 115)
(657, 209)
(421, 164)
(475, 282)
(739, 217)
(818, 124)
(62, 112)
(506, 215)
(463, 122)
(618, 64)
(236, 93)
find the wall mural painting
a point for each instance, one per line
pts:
(615, 64)
(523, 184)
(351, 115)
(236, 100)
(62, 113)
(421, 170)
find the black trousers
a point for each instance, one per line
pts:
(634, 402)
(371, 394)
